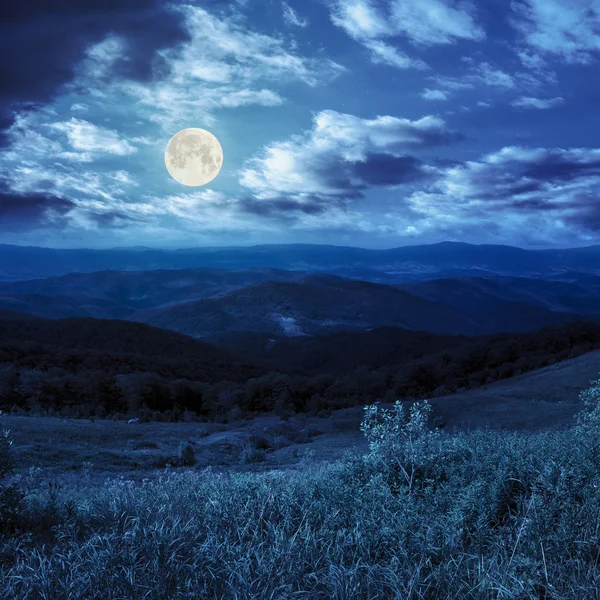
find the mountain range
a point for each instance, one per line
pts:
(209, 303)
(395, 265)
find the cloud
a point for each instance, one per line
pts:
(386, 54)
(567, 29)
(340, 157)
(487, 75)
(421, 22)
(536, 190)
(47, 56)
(538, 103)
(230, 63)
(240, 54)
(451, 83)
(430, 22)
(365, 24)
(245, 97)
(290, 16)
(204, 211)
(110, 218)
(434, 94)
(283, 207)
(87, 137)
(30, 211)
(67, 149)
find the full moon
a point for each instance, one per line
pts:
(194, 156)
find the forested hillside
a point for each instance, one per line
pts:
(87, 367)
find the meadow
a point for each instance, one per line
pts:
(415, 513)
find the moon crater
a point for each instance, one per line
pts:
(194, 157)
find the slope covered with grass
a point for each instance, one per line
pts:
(423, 514)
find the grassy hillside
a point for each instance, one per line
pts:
(544, 399)
(419, 514)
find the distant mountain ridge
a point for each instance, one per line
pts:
(211, 302)
(314, 305)
(392, 265)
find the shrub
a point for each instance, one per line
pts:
(11, 497)
(186, 456)
(6, 459)
(399, 444)
(252, 454)
(588, 418)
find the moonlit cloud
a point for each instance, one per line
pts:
(291, 17)
(431, 22)
(538, 103)
(434, 94)
(247, 97)
(241, 54)
(569, 29)
(329, 113)
(225, 60)
(341, 156)
(421, 22)
(488, 75)
(535, 190)
(365, 24)
(87, 137)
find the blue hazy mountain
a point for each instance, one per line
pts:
(446, 259)
(211, 302)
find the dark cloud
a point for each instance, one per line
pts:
(41, 42)
(549, 186)
(587, 219)
(283, 206)
(535, 205)
(112, 218)
(553, 167)
(385, 169)
(349, 180)
(26, 211)
(527, 174)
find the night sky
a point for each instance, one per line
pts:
(374, 123)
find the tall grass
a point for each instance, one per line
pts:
(422, 515)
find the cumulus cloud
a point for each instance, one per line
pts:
(434, 94)
(236, 53)
(217, 62)
(31, 210)
(421, 22)
(87, 137)
(48, 57)
(365, 24)
(430, 22)
(340, 157)
(564, 28)
(538, 103)
(227, 60)
(488, 75)
(536, 190)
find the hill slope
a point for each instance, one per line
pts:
(318, 304)
(118, 346)
(546, 397)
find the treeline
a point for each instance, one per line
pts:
(45, 378)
